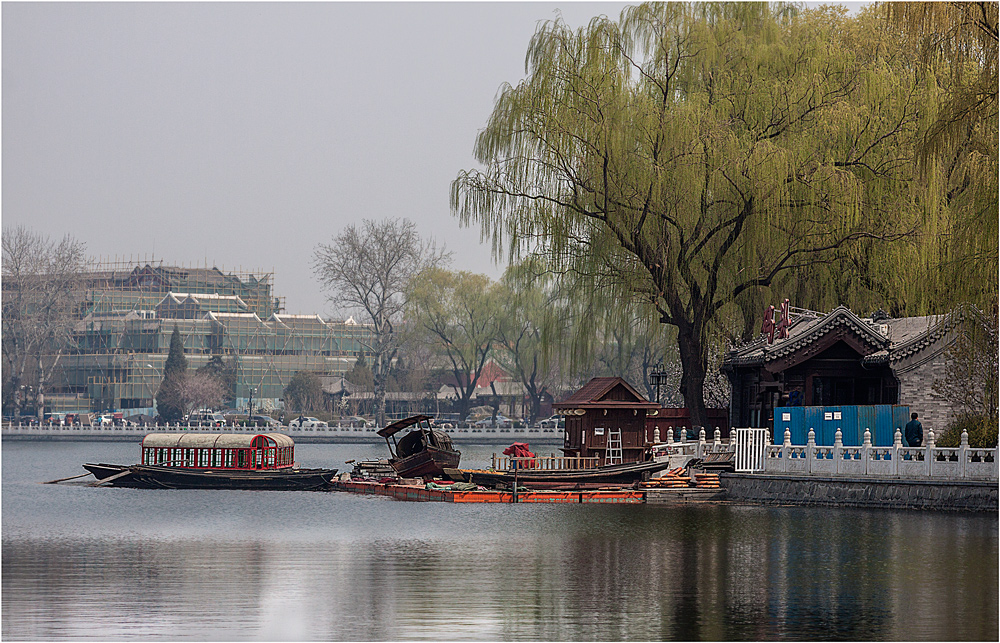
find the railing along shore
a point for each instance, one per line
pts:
(927, 462)
(110, 430)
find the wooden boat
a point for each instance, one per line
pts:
(214, 461)
(622, 475)
(421, 453)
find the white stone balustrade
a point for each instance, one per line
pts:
(698, 448)
(930, 461)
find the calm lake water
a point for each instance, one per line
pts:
(87, 563)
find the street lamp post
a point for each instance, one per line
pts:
(657, 376)
(250, 414)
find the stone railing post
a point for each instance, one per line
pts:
(670, 435)
(810, 450)
(897, 444)
(786, 449)
(684, 435)
(838, 450)
(656, 435)
(701, 442)
(717, 437)
(963, 453)
(929, 454)
(866, 450)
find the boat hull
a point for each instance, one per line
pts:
(568, 480)
(429, 463)
(156, 477)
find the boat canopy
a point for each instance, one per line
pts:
(405, 423)
(216, 440)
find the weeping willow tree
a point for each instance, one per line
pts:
(955, 48)
(686, 155)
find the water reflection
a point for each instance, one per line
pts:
(719, 573)
(104, 564)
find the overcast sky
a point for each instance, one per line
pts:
(242, 134)
(245, 134)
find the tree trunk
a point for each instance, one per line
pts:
(692, 373)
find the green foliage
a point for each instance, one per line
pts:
(176, 361)
(304, 393)
(530, 315)
(457, 315)
(982, 431)
(360, 374)
(169, 397)
(687, 156)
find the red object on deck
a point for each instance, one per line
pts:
(518, 450)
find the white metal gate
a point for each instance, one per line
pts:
(751, 447)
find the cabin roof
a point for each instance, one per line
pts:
(405, 423)
(594, 392)
(213, 440)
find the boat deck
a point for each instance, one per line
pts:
(419, 493)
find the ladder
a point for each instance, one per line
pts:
(614, 452)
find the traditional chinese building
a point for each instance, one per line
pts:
(840, 358)
(606, 407)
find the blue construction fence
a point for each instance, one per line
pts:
(881, 419)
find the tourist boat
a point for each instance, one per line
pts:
(214, 461)
(421, 453)
(613, 475)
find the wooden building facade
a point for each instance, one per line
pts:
(605, 406)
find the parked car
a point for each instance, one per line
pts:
(307, 422)
(206, 418)
(502, 422)
(262, 420)
(554, 422)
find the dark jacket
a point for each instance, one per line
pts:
(914, 433)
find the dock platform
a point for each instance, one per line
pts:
(421, 494)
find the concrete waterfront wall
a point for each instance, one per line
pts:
(887, 493)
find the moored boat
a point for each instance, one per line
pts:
(421, 453)
(625, 474)
(214, 461)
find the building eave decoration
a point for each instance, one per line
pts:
(758, 352)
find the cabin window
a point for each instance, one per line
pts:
(243, 459)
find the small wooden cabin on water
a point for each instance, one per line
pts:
(219, 450)
(606, 407)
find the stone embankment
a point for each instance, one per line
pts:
(961, 478)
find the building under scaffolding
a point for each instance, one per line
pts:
(128, 310)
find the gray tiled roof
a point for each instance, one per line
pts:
(889, 338)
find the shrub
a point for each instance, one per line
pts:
(982, 432)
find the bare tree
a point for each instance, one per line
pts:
(200, 391)
(368, 269)
(41, 280)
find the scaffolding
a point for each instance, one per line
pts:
(127, 312)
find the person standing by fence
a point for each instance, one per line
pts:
(914, 431)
